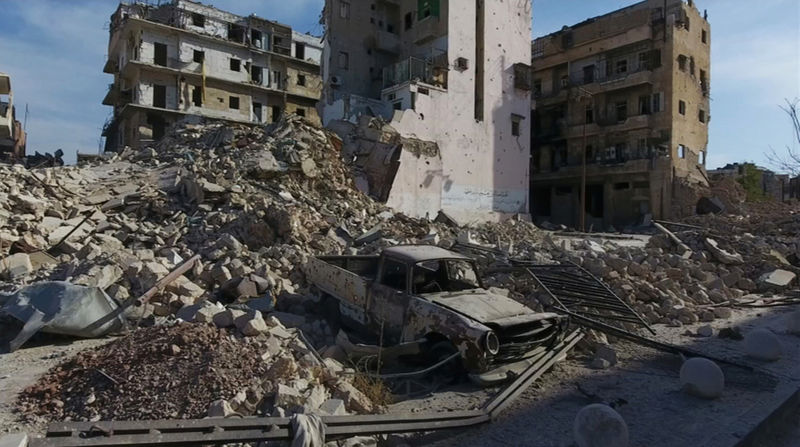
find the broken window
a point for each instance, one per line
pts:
(276, 113)
(704, 36)
(702, 116)
(257, 39)
(622, 111)
(258, 112)
(395, 275)
(236, 33)
(344, 9)
(199, 56)
(589, 115)
(682, 107)
(198, 20)
(344, 60)
(409, 21)
(233, 102)
(301, 80)
(160, 96)
(300, 112)
(236, 64)
(682, 62)
(160, 54)
(257, 74)
(515, 125)
(681, 151)
(644, 105)
(197, 96)
(701, 158)
(622, 66)
(300, 50)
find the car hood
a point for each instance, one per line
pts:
(481, 305)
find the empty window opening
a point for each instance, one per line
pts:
(423, 91)
(199, 56)
(516, 121)
(197, 96)
(427, 8)
(158, 125)
(300, 112)
(276, 113)
(300, 50)
(594, 201)
(236, 64)
(682, 62)
(537, 87)
(398, 105)
(160, 54)
(644, 105)
(409, 21)
(702, 116)
(480, 25)
(622, 66)
(257, 39)
(704, 36)
(236, 33)
(682, 107)
(198, 20)
(301, 80)
(257, 74)
(344, 60)
(701, 157)
(622, 110)
(656, 102)
(563, 190)
(344, 10)
(589, 115)
(276, 79)
(691, 65)
(622, 186)
(160, 96)
(233, 102)
(588, 74)
(258, 112)
(641, 185)
(565, 81)
(681, 151)
(589, 154)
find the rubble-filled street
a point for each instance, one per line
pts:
(241, 332)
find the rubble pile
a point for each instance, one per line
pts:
(190, 371)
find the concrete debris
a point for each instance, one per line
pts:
(702, 378)
(777, 280)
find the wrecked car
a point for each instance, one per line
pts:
(421, 292)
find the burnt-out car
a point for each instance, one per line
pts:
(421, 292)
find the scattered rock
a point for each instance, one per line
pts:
(702, 378)
(598, 425)
(763, 344)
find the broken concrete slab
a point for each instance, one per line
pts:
(777, 280)
(721, 255)
(16, 266)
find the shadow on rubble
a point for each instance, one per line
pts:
(644, 388)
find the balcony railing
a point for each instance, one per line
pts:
(414, 69)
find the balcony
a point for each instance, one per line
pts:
(607, 125)
(427, 29)
(6, 120)
(616, 81)
(387, 42)
(417, 70)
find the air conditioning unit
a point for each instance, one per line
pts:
(336, 80)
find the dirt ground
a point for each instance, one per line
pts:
(22, 368)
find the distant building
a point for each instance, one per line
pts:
(772, 185)
(631, 90)
(455, 73)
(12, 137)
(183, 58)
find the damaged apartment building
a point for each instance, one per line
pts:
(12, 135)
(181, 59)
(628, 92)
(452, 78)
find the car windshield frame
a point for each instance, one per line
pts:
(425, 286)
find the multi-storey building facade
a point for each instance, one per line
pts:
(185, 59)
(628, 92)
(12, 136)
(454, 73)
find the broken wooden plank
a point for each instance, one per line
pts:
(686, 252)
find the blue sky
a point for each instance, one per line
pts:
(55, 51)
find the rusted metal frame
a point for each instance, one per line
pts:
(163, 282)
(643, 322)
(508, 395)
(595, 297)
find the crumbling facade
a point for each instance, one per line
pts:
(184, 59)
(629, 92)
(12, 135)
(455, 74)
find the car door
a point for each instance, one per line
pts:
(388, 299)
